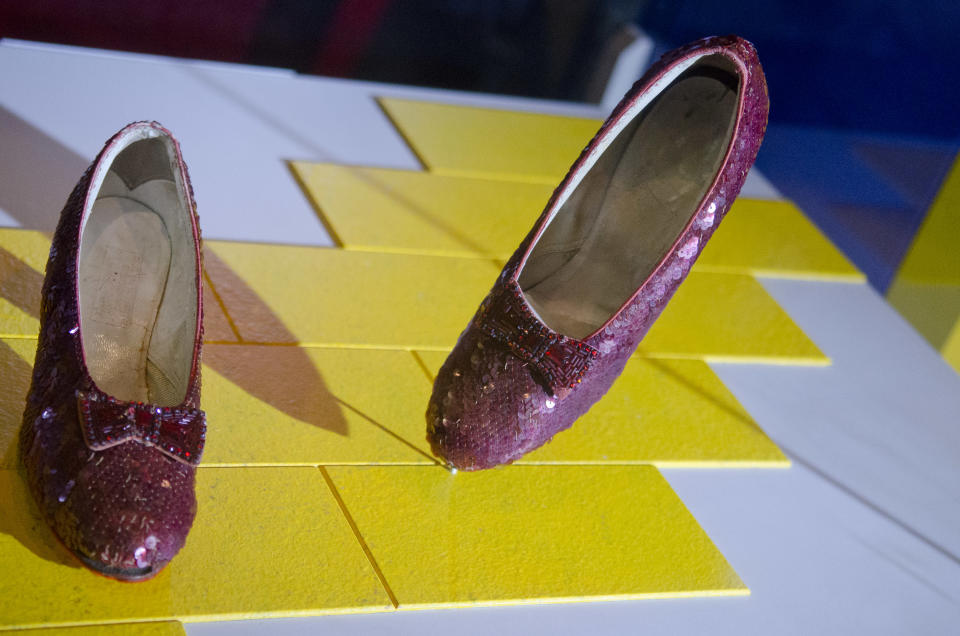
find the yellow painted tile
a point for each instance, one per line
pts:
(483, 142)
(951, 348)
(281, 405)
(291, 405)
(322, 296)
(420, 212)
(266, 542)
(934, 311)
(774, 238)
(661, 412)
(413, 212)
(330, 297)
(162, 628)
(17, 323)
(16, 365)
(366, 299)
(932, 308)
(926, 289)
(23, 261)
(933, 257)
(728, 318)
(30, 247)
(216, 325)
(432, 361)
(530, 534)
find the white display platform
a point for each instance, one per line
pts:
(860, 535)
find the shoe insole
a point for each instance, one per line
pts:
(639, 197)
(123, 272)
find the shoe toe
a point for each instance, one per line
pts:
(487, 408)
(130, 511)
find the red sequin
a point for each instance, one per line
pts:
(106, 422)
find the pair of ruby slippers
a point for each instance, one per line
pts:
(112, 432)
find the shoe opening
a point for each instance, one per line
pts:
(621, 218)
(137, 276)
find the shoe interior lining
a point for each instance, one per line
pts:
(137, 287)
(633, 203)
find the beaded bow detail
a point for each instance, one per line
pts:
(177, 432)
(560, 361)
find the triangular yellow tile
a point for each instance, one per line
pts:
(932, 256)
(926, 289)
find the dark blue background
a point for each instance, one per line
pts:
(865, 108)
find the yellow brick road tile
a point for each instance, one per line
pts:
(934, 311)
(164, 628)
(951, 348)
(661, 412)
(281, 405)
(932, 308)
(16, 366)
(324, 296)
(216, 325)
(330, 297)
(413, 212)
(266, 542)
(530, 533)
(23, 261)
(482, 142)
(30, 247)
(420, 212)
(926, 289)
(774, 238)
(290, 405)
(728, 318)
(933, 257)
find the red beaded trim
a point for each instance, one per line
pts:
(106, 421)
(561, 361)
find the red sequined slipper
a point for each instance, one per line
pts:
(615, 241)
(112, 431)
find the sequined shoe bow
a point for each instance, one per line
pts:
(614, 242)
(112, 430)
(106, 421)
(558, 361)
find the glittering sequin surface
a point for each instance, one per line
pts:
(112, 497)
(498, 395)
